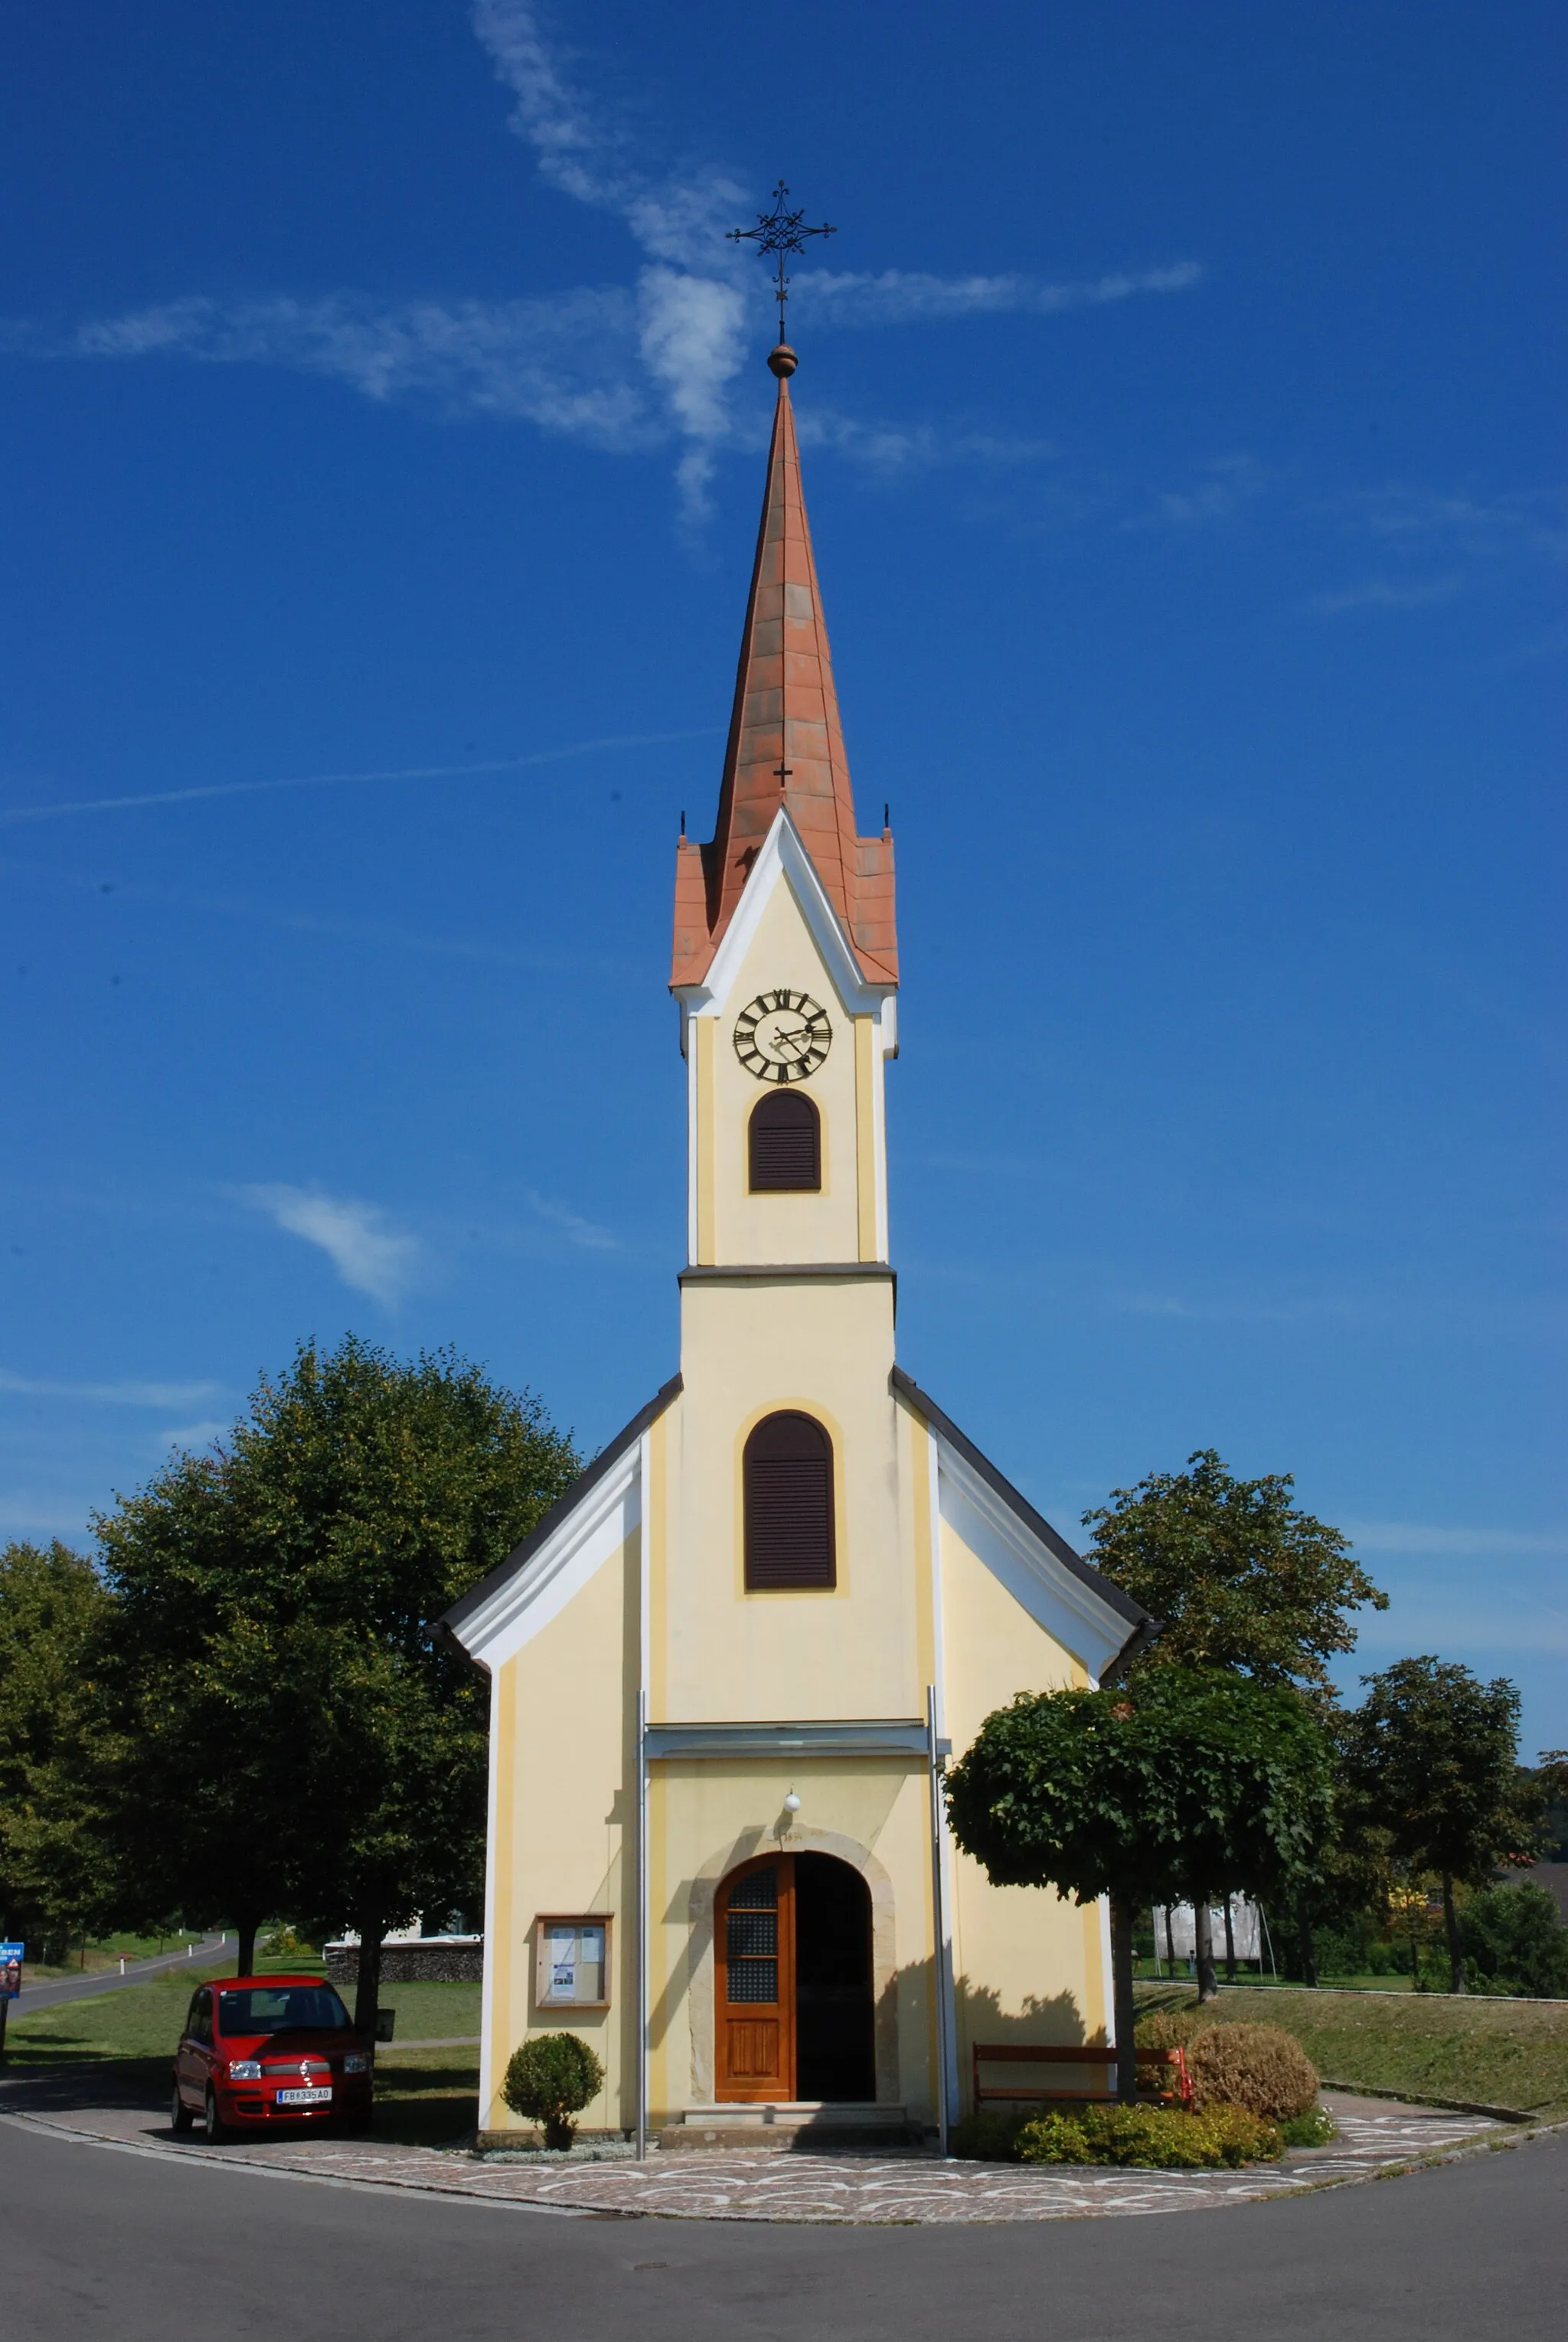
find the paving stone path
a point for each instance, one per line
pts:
(844, 2189)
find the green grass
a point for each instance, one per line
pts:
(430, 2012)
(143, 2020)
(427, 2097)
(1494, 2053)
(423, 2097)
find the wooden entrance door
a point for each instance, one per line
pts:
(753, 1982)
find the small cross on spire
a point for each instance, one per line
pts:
(776, 232)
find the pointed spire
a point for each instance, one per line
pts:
(786, 744)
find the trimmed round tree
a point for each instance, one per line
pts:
(551, 2079)
(1191, 1783)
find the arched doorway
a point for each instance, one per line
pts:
(792, 2003)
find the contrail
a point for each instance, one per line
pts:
(325, 780)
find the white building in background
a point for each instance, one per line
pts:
(1176, 1931)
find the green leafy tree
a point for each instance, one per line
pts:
(294, 1742)
(1243, 1581)
(54, 1878)
(1241, 1578)
(1430, 1757)
(1185, 1782)
(1515, 1942)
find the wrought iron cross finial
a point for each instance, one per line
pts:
(776, 232)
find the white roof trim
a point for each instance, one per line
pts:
(591, 1534)
(783, 855)
(1068, 1610)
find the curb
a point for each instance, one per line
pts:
(435, 2193)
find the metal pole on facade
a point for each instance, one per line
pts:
(642, 1925)
(938, 1920)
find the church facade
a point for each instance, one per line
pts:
(726, 1670)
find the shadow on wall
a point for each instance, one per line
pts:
(1057, 2022)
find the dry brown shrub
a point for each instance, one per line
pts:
(1173, 2028)
(1258, 2067)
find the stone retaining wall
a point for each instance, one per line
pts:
(425, 1959)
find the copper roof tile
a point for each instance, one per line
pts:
(785, 713)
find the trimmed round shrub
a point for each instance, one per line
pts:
(1260, 2068)
(551, 2079)
(1159, 2138)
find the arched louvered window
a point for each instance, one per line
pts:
(784, 1140)
(788, 1475)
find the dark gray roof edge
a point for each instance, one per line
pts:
(1144, 1627)
(740, 1271)
(447, 1625)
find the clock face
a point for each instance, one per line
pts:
(783, 1036)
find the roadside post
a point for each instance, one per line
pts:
(11, 1957)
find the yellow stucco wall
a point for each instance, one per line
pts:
(747, 1348)
(839, 1224)
(565, 1742)
(704, 1818)
(1027, 1964)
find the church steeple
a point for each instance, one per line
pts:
(785, 745)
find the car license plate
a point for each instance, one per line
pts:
(305, 2097)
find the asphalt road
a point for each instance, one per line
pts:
(87, 1987)
(130, 2246)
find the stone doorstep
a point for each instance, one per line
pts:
(784, 2125)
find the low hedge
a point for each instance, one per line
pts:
(1161, 2139)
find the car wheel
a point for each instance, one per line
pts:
(213, 2126)
(355, 2125)
(180, 2116)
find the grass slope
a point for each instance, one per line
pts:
(1499, 2053)
(143, 2020)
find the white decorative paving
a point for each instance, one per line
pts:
(845, 2189)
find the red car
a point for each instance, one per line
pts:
(257, 2051)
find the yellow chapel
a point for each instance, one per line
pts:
(727, 1669)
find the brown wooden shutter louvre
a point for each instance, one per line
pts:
(789, 1527)
(784, 1142)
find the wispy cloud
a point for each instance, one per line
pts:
(189, 1438)
(327, 780)
(558, 363)
(366, 1251)
(1473, 525)
(1422, 1536)
(1220, 488)
(898, 296)
(118, 1394)
(618, 367)
(1242, 1311)
(1387, 593)
(577, 1230)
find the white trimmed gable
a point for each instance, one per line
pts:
(783, 859)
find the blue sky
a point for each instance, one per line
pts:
(1179, 407)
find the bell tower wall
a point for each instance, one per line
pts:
(844, 1218)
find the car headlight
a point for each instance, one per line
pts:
(244, 2070)
(356, 2062)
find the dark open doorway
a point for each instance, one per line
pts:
(835, 2057)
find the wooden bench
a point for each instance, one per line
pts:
(1013, 2053)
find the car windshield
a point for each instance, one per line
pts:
(282, 2008)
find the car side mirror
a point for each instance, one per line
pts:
(386, 2020)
